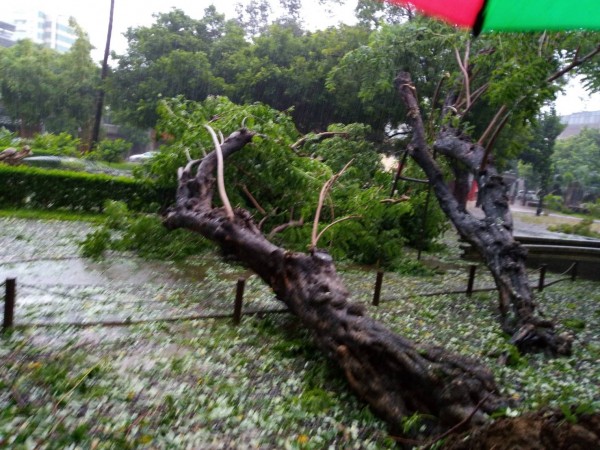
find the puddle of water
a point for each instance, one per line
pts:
(82, 272)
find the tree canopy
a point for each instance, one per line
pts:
(41, 86)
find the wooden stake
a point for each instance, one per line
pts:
(378, 283)
(472, 270)
(9, 303)
(543, 268)
(574, 271)
(239, 297)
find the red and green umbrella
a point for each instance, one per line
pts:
(513, 15)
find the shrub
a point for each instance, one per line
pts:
(582, 228)
(6, 138)
(554, 202)
(143, 233)
(48, 189)
(110, 150)
(62, 144)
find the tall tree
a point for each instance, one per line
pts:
(100, 100)
(169, 58)
(577, 158)
(539, 152)
(42, 89)
(516, 86)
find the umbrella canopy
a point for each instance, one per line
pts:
(513, 15)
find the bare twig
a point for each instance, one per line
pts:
(463, 68)
(575, 63)
(285, 226)
(492, 141)
(342, 219)
(393, 201)
(318, 137)
(492, 125)
(220, 173)
(253, 200)
(324, 190)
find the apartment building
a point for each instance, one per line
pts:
(51, 31)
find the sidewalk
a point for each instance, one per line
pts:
(527, 228)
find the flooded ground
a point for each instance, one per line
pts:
(155, 381)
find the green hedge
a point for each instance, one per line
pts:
(45, 188)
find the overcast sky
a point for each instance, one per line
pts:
(93, 17)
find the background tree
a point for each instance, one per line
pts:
(46, 90)
(516, 86)
(287, 68)
(539, 152)
(577, 158)
(167, 59)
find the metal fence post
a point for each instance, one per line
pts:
(239, 297)
(9, 303)
(378, 283)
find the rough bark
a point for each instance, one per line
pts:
(392, 374)
(492, 236)
(13, 157)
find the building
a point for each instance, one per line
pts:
(578, 121)
(7, 31)
(51, 31)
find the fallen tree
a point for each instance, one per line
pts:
(395, 376)
(492, 235)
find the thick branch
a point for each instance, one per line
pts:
(491, 236)
(395, 376)
(575, 63)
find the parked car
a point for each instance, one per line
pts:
(141, 157)
(530, 196)
(73, 164)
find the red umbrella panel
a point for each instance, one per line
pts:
(512, 15)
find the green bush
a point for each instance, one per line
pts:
(593, 208)
(110, 150)
(50, 189)
(554, 202)
(6, 138)
(62, 144)
(583, 228)
(143, 233)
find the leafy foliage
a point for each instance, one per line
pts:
(62, 144)
(577, 158)
(41, 85)
(268, 177)
(144, 234)
(109, 150)
(40, 188)
(582, 228)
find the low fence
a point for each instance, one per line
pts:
(10, 301)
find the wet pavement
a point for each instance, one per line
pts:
(56, 285)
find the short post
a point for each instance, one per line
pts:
(471, 281)
(239, 297)
(9, 303)
(543, 268)
(574, 271)
(378, 283)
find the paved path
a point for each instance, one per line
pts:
(526, 228)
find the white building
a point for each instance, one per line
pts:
(7, 31)
(51, 31)
(578, 121)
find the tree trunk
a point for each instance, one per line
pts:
(491, 236)
(395, 376)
